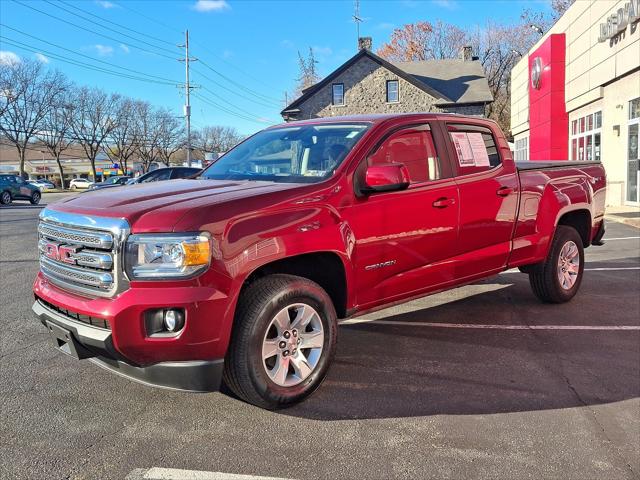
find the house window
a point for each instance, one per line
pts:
(337, 93)
(393, 95)
(521, 152)
(585, 137)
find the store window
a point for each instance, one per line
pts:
(633, 152)
(521, 152)
(586, 137)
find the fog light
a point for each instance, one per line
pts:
(173, 320)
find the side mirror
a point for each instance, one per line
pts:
(386, 178)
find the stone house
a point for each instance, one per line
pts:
(367, 83)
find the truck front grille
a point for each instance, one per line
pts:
(81, 253)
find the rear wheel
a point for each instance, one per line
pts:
(74, 187)
(558, 279)
(35, 198)
(283, 341)
(5, 198)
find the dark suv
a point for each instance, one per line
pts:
(14, 187)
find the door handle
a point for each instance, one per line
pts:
(444, 202)
(505, 191)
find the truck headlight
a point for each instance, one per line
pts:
(166, 256)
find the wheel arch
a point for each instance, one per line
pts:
(580, 219)
(325, 268)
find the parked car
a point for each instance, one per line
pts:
(14, 187)
(110, 183)
(42, 184)
(169, 173)
(242, 274)
(80, 183)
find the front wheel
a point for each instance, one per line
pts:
(74, 187)
(558, 279)
(283, 341)
(35, 198)
(5, 198)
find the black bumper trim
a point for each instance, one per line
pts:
(192, 376)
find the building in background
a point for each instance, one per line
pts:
(367, 83)
(576, 94)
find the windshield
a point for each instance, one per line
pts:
(301, 154)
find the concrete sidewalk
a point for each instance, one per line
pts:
(624, 214)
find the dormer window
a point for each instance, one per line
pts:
(393, 94)
(337, 90)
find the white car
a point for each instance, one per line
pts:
(43, 185)
(80, 183)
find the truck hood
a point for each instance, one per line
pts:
(159, 206)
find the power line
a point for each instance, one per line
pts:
(61, 58)
(231, 90)
(225, 109)
(92, 31)
(86, 56)
(161, 40)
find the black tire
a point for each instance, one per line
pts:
(5, 198)
(245, 373)
(35, 198)
(73, 187)
(544, 278)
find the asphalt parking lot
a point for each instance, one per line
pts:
(479, 382)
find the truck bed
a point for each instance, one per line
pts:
(540, 165)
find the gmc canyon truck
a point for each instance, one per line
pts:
(241, 274)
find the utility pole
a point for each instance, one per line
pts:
(187, 91)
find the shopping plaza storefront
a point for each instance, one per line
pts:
(576, 94)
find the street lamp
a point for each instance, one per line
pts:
(537, 29)
(516, 52)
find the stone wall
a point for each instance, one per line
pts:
(472, 110)
(365, 85)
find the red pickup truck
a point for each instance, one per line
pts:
(241, 274)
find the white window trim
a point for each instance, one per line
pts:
(587, 133)
(386, 90)
(344, 99)
(516, 150)
(630, 121)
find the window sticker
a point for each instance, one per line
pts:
(463, 149)
(479, 149)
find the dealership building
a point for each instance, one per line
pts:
(576, 94)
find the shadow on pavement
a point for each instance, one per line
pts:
(387, 371)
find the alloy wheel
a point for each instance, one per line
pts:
(568, 265)
(293, 344)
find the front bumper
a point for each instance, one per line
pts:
(86, 341)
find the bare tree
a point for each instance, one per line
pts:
(94, 116)
(308, 74)
(217, 139)
(147, 132)
(28, 94)
(56, 131)
(171, 135)
(122, 143)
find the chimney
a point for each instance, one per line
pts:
(365, 43)
(466, 53)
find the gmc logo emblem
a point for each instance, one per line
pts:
(61, 253)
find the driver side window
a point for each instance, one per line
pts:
(413, 147)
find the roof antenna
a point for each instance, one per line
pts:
(357, 19)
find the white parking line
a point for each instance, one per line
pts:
(597, 269)
(355, 321)
(157, 473)
(621, 238)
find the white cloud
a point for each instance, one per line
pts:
(8, 58)
(385, 26)
(106, 4)
(103, 50)
(287, 44)
(211, 5)
(124, 48)
(227, 54)
(41, 58)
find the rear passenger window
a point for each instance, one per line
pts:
(412, 147)
(475, 148)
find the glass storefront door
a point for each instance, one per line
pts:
(633, 153)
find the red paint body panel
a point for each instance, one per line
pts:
(432, 236)
(548, 118)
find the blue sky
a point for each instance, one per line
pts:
(247, 50)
